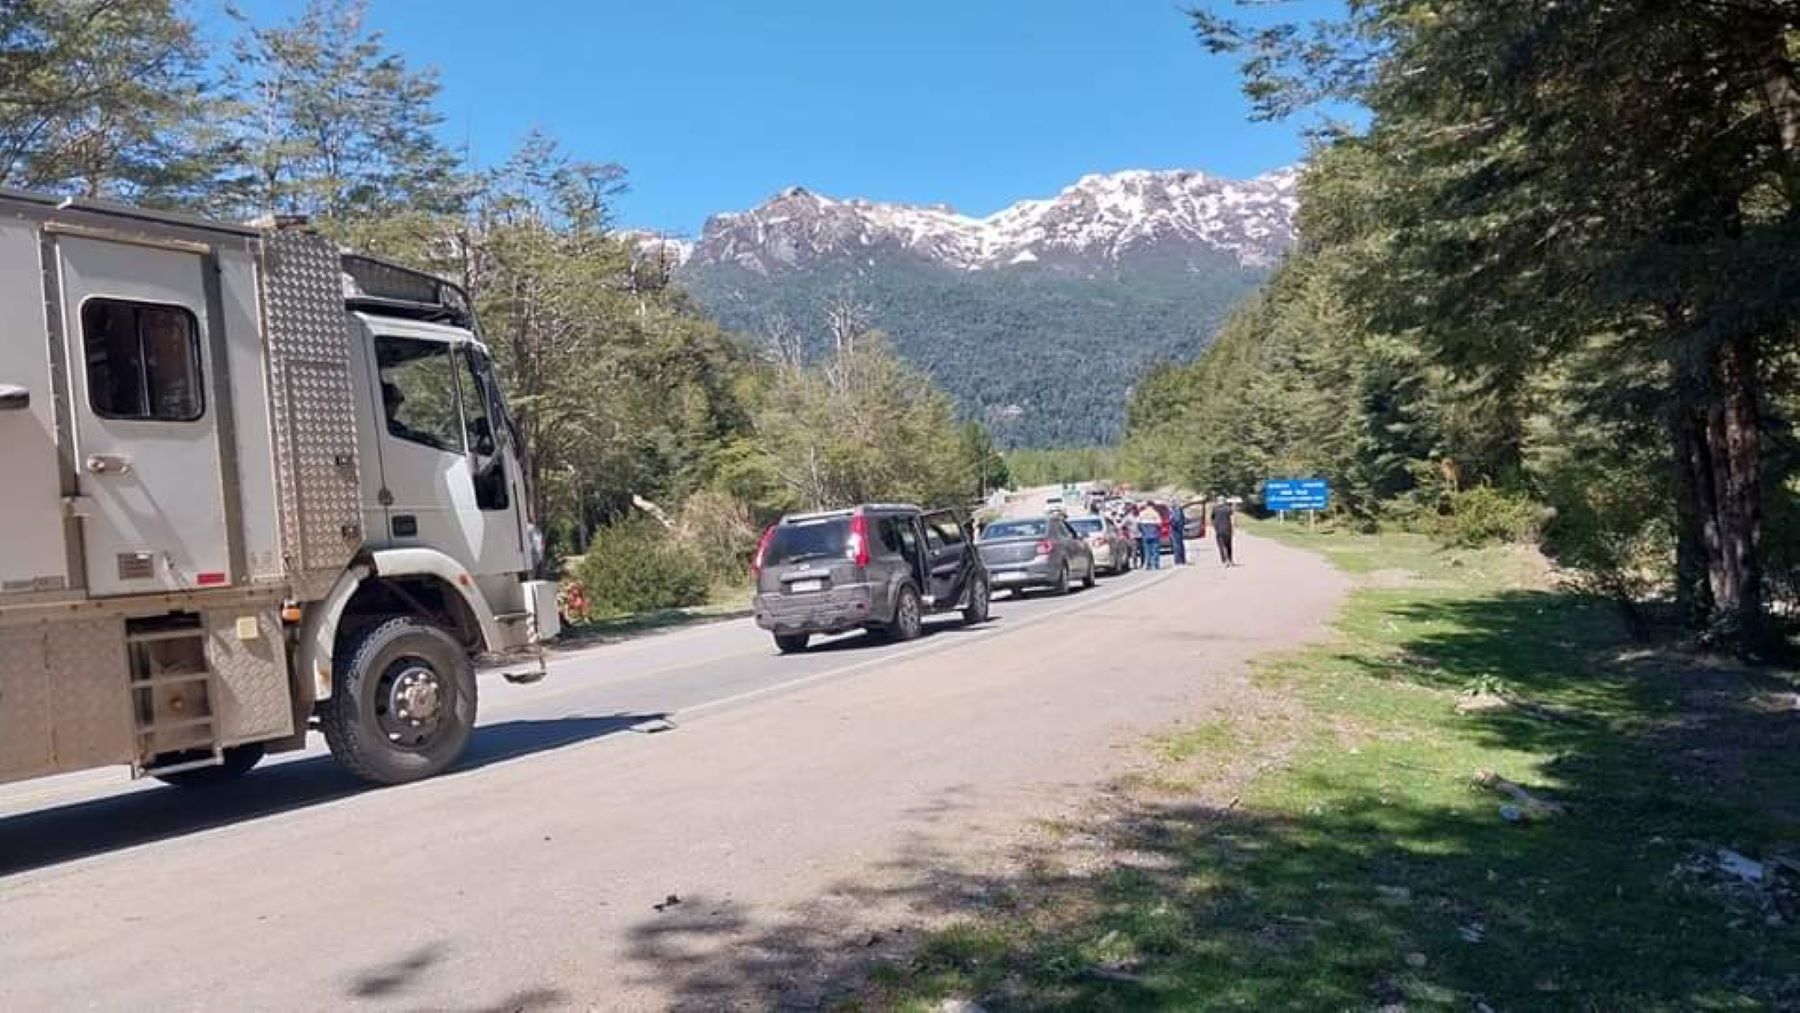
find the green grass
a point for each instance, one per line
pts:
(1365, 868)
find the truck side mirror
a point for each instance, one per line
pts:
(14, 398)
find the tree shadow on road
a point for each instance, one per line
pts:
(392, 983)
(46, 837)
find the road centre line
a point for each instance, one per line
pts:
(928, 647)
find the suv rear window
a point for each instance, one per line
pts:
(796, 543)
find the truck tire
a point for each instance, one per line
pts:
(238, 761)
(403, 706)
(909, 616)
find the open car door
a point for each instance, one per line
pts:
(947, 547)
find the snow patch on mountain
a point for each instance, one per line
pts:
(1093, 223)
(655, 246)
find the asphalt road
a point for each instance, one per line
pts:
(791, 806)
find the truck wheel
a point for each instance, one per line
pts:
(791, 643)
(909, 620)
(404, 704)
(977, 609)
(238, 762)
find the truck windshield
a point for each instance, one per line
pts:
(483, 369)
(797, 543)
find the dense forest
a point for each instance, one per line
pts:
(632, 401)
(1043, 357)
(1549, 290)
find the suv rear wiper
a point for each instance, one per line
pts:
(804, 556)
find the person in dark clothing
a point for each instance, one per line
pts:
(1178, 524)
(1221, 525)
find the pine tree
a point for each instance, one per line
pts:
(1538, 175)
(331, 124)
(104, 98)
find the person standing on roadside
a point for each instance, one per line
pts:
(1150, 524)
(1127, 525)
(1221, 525)
(1178, 524)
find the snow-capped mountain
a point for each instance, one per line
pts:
(1096, 223)
(655, 246)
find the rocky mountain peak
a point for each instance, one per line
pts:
(1088, 228)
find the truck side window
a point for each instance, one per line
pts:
(143, 361)
(488, 466)
(418, 392)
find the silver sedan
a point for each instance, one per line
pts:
(1028, 552)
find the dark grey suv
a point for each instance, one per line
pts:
(881, 566)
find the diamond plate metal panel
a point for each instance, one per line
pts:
(249, 676)
(324, 438)
(25, 743)
(89, 674)
(315, 409)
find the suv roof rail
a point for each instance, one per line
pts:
(819, 515)
(815, 515)
(891, 507)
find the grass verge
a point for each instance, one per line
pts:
(1355, 862)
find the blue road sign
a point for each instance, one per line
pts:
(1296, 494)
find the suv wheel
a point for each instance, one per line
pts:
(909, 617)
(977, 609)
(791, 643)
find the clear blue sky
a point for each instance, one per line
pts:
(713, 105)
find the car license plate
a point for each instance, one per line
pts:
(1009, 576)
(803, 586)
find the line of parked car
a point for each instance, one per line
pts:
(884, 567)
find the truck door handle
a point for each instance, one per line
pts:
(109, 464)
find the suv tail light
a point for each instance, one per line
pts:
(762, 546)
(858, 548)
(1045, 547)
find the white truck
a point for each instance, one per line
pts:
(250, 486)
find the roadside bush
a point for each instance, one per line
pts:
(637, 565)
(1485, 515)
(719, 530)
(1609, 533)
